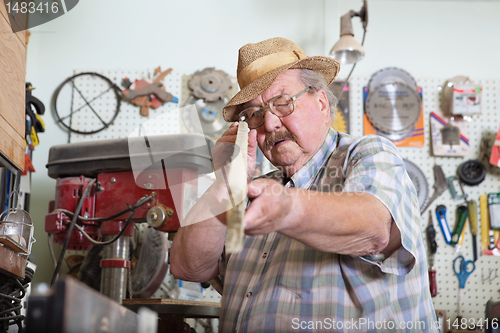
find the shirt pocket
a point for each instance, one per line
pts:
(307, 272)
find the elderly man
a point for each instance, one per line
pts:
(332, 238)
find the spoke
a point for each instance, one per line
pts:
(81, 107)
(94, 99)
(81, 95)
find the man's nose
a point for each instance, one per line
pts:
(271, 121)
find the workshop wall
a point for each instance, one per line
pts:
(429, 39)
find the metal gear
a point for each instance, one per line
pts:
(210, 84)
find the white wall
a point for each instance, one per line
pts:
(426, 38)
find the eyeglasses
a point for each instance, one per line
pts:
(281, 106)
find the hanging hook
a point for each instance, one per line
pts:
(489, 278)
(496, 274)
(16, 192)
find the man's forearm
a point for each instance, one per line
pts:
(198, 246)
(196, 250)
(346, 223)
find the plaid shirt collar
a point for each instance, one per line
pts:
(308, 173)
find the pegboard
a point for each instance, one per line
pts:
(129, 117)
(477, 290)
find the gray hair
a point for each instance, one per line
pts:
(311, 78)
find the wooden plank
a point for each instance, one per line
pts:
(237, 184)
(12, 94)
(144, 301)
(11, 144)
(15, 246)
(11, 264)
(19, 22)
(11, 131)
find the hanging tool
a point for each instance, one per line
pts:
(462, 274)
(472, 172)
(455, 237)
(453, 181)
(417, 177)
(440, 185)
(491, 244)
(494, 208)
(34, 123)
(472, 218)
(485, 220)
(472, 206)
(393, 103)
(461, 237)
(462, 213)
(431, 238)
(443, 223)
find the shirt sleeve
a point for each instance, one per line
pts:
(374, 166)
(222, 265)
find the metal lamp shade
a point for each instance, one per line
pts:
(347, 50)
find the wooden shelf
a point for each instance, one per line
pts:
(13, 83)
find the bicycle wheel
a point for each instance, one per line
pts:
(86, 103)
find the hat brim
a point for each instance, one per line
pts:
(327, 67)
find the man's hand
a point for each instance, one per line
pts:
(224, 147)
(269, 211)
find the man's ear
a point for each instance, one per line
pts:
(324, 105)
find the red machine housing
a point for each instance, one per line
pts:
(74, 165)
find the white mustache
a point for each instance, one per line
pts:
(278, 136)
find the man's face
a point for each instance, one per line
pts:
(289, 142)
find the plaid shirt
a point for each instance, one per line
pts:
(278, 284)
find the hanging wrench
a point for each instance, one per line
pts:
(440, 185)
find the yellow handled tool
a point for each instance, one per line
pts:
(472, 206)
(485, 221)
(458, 246)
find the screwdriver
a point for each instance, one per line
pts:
(431, 238)
(472, 206)
(485, 221)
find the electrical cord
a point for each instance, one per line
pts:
(51, 249)
(133, 208)
(103, 219)
(90, 239)
(75, 217)
(70, 230)
(12, 291)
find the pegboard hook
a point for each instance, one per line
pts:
(489, 278)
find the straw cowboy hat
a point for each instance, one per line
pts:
(261, 63)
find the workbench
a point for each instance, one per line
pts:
(172, 312)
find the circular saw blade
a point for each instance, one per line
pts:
(205, 115)
(391, 74)
(210, 84)
(419, 181)
(152, 265)
(393, 108)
